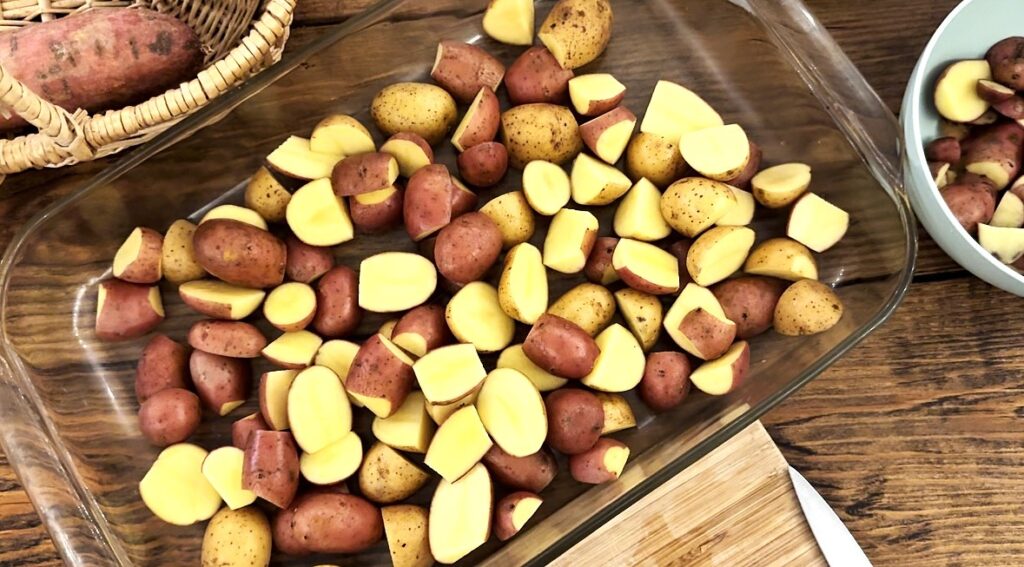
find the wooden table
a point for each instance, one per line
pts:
(914, 437)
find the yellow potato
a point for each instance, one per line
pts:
(420, 108)
(178, 256)
(807, 307)
(588, 305)
(782, 258)
(577, 31)
(693, 204)
(540, 132)
(654, 157)
(224, 544)
(386, 476)
(265, 195)
(512, 214)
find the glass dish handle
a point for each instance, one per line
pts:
(857, 110)
(42, 472)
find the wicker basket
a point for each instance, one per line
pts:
(237, 39)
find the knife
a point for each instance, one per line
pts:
(834, 540)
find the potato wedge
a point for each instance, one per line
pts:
(742, 213)
(778, 186)
(220, 300)
(513, 512)
(440, 413)
(294, 349)
(317, 216)
(523, 286)
(405, 527)
(340, 134)
(463, 69)
(174, 487)
(337, 355)
(458, 445)
(807, 307)
(408, 429)
(334, 463)
(569, 240)
(421, 330)
(643, 315)
(460, 515)
(178, 255)
(481, 121)
(694, 204)
(645, 267)
(719, 152)
(816, 223)
(265, 195)
(126, 310)
(411, 150)
(513, 357)
(718, 253)
(620, 364)
(222, 468)
(449, 373)
(638, 215)
(512, 412)
(475, 316)
(609, 134)
(595, 183)
(598, 268)
(273, 397)
(546, 187)
(221, 382)
(318, 409)
(513, 216)
(723, 375)
(617, 413)
(1009, 213)
(588, 305)
(509, 21)
(697, 323)
(602, 463)
(782, 258)
(387, 476)
(596, 93)
(427, 206)
(380, 376)
(675, 110)
(296, 159)
(139, 258)
(395, 281)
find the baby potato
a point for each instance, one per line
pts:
(807, 307)
(750, 302)
(532, 473)
(178, 256)
(387, 476)
(588, 305)
(224, 544)
(423, 109)
(654, 157)
(170, 416)
(467, 248)
(265, 195)
(577, 31)
(514, 217)
(693, 204)
(540, 132)
(575, 420)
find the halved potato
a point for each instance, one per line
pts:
(718, 254)
(809, 307)
(223, 469)
(174, 487)
(411, 150)
(421, 330)
(290, 306)
(294, 349)
(343, 135)
(645, 267)
(387, 476)
(816, 223)
(458, 445)
(318, 410)
(782, 258)
(1009, 213)
(722, 375)
(273, 397)
(546, 186)
(639, 214)
(718, 152)
(449, 373)
(178, 260)
(513, 512)
(139, 259)
(569, 240)
(317, 216)
(234, 212)
(460, 515)
(335, 462)
(956, 92)
(513, 216)
(513, 357)
(381, 376)
(509, 21)
(778, 186)
(596, 183)
(338, 356)
(395, 281)
(697, 323)
(675, 110)
(618, 415)
(295, 158)
(215, 298)
(740, 214)
(694, 204)
(595, 93)
(620, 365)
(609, 134)
(1006, 244)
(654, 157)
(643, 314)
(481, 121)
(512, 412)
(265, 195)
(475, 316)
(441, 412)
(588, 305)
(405, 527)
(408, 429)
(523, 287)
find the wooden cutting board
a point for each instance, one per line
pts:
(735, 507)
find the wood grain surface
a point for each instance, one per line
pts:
(914, 437)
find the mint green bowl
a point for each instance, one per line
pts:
(967, 33)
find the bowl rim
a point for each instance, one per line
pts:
(914, 100)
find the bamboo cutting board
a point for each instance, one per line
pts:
(735, 507)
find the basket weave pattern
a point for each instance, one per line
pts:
(239, 39)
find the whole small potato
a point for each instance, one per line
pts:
(536, 76)
(540, 132)
(337, 299)
(423, 109)
(484, 164)
(330, 522)
(306, 263)
(236, 339)
(240, 254)
(654, 157)
(666, 380)
(575, 420)
(467, 248)
(224, 544)
(532, 472)
(163, 365)
(807, 307)
(561, 347)
(971, 203)
(749, 301)
(169, 416)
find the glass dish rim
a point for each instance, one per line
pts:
(11, 363)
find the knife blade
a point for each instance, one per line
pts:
(835, 541)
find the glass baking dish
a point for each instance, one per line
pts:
(67, 402)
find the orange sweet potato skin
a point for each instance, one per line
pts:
(100, 59)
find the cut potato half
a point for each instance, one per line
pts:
(449, 373)
(639, 214)
(719, 152)
(174, 487)
(223, 470)
(273, 397)
(338, 356)
(341, 135)
(546, 186)
(816, 223)
(335, 462)
(318, 409)
(139, 258)
(460, 515)
(596, 183)
(956, 92)
(513, 357)
(512, 412)
(222, 300)
(675, 110)
(643, 314)
(1009, 213)
(295, 158)
(290, 306)
(645, 267)
(408, 429)
(609, 134)
(458, 444)
(395, 281)
(698, 324)
(618, 415)
(510, 21)
(718, 254)
(595, 93)
(723, 375)
(782, 258)
(317, 216)
(234, 212)
(295, 349)
(620, 365)
(523, 286)
(740, 214)
(569, 240)
(475, 316)
(778, 186)
(1006, 244)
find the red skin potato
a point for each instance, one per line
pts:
(170, 416)
(327, 522)
(101, 59)
(163, 365)
(1007, 61)
(485, 121)
(378, 217)
(503, 527)
(271, 467)
(377, 372)
(666, 380)
(242, 429)
(306, 263)
(708, 333)
(337, 298)
(362, 173)
(598, 268)
(742, 180)
(463, 200)
(240, 254)
(561, 347)
(575, 420)
(749, 301)
(463, 69)
(428, 201)
(591, 130)
(536, 76)
(1012, 108)
(127, 313)
(484, 165)
(945, 150)
(1003, 143)
(236, 339)
(219, 379)
(532, 473)
(588, 467)
(971, 204)
(467, 248)
(428, 322)
(146, 267)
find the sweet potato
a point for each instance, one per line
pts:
(101, 59)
